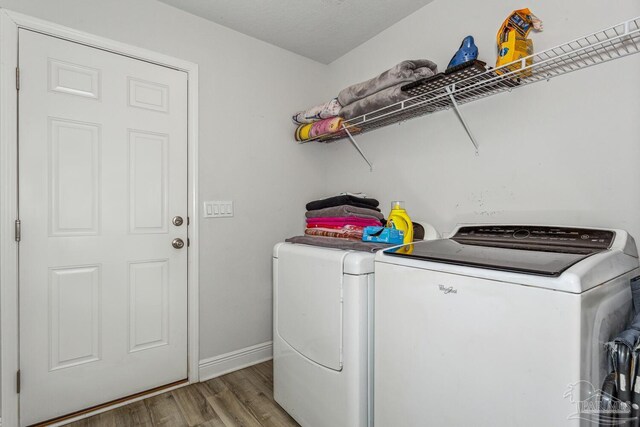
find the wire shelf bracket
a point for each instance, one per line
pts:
(450, 91)
(357, 147)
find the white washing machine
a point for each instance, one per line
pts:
(322, 334)
(497, 325)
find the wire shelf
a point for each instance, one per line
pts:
(612, 43)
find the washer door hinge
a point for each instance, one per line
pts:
(18, 382)
(17, 78)
(18, 231)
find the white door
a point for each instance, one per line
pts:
(102, 173)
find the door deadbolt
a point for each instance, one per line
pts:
(177, 243)
(177, 221)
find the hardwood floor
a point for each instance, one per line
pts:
(241, 398)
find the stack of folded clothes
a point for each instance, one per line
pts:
(383, 90)
(318, 120)
(343, 216)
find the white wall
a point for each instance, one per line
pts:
(247, 153)
(563, 152)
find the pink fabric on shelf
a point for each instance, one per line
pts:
(325, 126)
(345, 220)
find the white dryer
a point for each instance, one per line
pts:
(322, 334)
(498, 325)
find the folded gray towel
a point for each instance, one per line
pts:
(374, 102)
(345, 210)
(404, 72)
(332, 242)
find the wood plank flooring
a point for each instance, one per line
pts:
(241, 398)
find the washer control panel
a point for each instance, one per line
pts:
(541, 238)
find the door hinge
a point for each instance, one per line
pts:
(188, 242)
(188, 221)
(18, 382)
(18, 230)
(17, 78)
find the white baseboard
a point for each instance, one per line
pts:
(229, 362)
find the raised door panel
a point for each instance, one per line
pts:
(148, 304)
(148, 182)
(73, 79)
(74, 316)
(74, 176)
(148, 95)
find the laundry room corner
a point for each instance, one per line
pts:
(328, 213)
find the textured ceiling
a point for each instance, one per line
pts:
(322, 30)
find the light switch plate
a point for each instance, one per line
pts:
(218, 209)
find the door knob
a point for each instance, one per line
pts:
(177, 221)
(177, 243)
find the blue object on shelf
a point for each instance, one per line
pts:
(468, 51)
(382, 235)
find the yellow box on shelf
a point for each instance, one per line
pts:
(513, 44)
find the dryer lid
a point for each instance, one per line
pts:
(546, 251)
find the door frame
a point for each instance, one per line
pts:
(10, 23)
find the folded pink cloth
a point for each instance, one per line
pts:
(339, 234)
(343, 220)
(325, 126)
(347, 232)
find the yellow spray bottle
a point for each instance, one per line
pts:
(399, 219)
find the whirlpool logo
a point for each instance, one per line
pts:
(447, 289)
